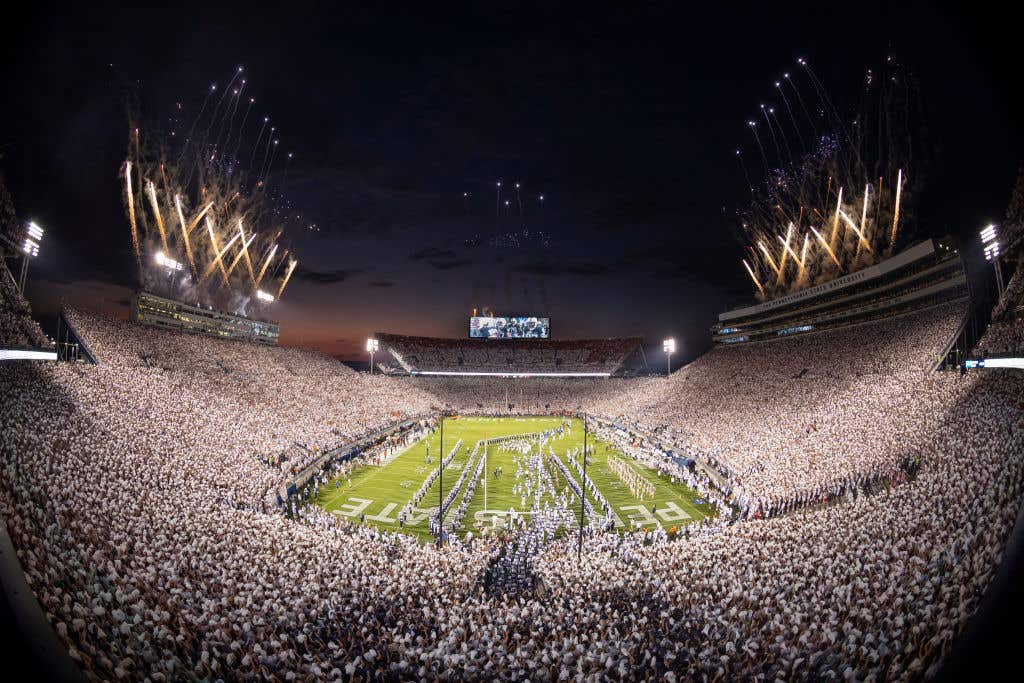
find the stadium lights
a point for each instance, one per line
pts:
(30, 249)
(167, 262)
(263, 296)
(372, 345)
(669, 347)
(33, 236)
(990, 243)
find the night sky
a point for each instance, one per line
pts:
(624, 119)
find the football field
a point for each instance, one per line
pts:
(376, 494)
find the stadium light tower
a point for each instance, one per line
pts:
(990, 242)
(30, 249)
(669, 347)
(372, 345)
(173, 267)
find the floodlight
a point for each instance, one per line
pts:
(989, 240)
(372, 345)
(263, 296)
(167, 262)
(669, 345)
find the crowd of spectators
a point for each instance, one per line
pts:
(18, 330)
(1002, 337)
(133, 491)
(428, 354)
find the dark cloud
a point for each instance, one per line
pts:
(442, 259)
(450, 264)
(382, 283)
(431, 253)
(555, 269)
(325, 277)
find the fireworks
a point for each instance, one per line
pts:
(841, 195)
(203, 208)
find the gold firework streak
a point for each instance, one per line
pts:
(184, 234)
(767, 255)
(245, 250)
(752, 276)
(835, 224)
(195, 221)
(785, 244)
(853, 226)
(159, 216)
(131, 209)
(266, 262)
(896, 211)
(288, 275)
(785, 252)
(828, 249)
(277, 268)
(217, 253)
(864, 221)
(238, 257)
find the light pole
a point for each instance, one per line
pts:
(30, 248)
(669, 347)
(583, 492)
(440, 485)
(990, 242)
(372, 345)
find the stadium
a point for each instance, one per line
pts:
(830, 489)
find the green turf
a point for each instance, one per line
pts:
(379, 492)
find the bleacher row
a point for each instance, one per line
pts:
(17, 328)
(427, 354)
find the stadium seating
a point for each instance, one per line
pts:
(134, 493)
(426, 354)
(17, 328)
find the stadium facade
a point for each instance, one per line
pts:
(927, 274)
(158, 311)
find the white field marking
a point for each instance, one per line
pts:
(496, 519)
(349, 510)
(669, 512)
(382, 516)
(643, 516)
(417, 516)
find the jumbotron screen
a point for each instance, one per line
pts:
(509, 327)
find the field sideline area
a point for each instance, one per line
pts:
(375, 494)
